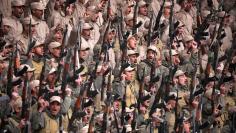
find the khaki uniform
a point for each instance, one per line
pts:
(227, 41)
(187, 20)
(132, 89)
(90, 45)
(44, 122)
(79, 11)
(95, 33)
(42, 30)
(143, 19)
(170, 118)
(13, 122)
(97, 50)
(38, 65)
(17, 28)
(51, 125)
(55, 19)
(23, 41)
(132, 92)
(155, 5)
(5, 9)
(144, 65)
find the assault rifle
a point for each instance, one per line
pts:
(134, 30)
(65, 72)
(62, 54)
(26, 104)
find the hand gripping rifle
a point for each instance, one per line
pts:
(62, 54)
(216, 47)
(65, 72)
(157, 23)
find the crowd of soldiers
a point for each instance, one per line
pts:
(111, 66)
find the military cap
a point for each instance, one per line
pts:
(18, 103)
(92, 9)
(129, 68)
(130, 3)
(84, 47)
(17, 3)
(53, 45)
(142, 3)
(135, 36)
(87, 26)
(38, 43)
(37, 5)
(132, 52)
(153, 48)
(188, 38)
(34, 83)
(29, 20)
(55, 99)
(129, 17)
(167, 4)
(7, 22)
(179, 73)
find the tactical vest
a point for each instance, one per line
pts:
(52, 125)
(38, 68)
(13, 125)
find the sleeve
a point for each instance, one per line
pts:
(66, 105)
(38, 121)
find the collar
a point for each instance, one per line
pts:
(37, 58)
(52, 116)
